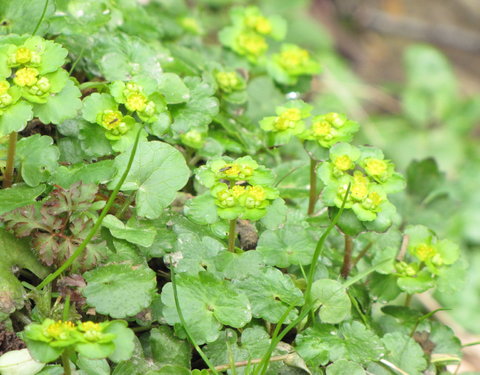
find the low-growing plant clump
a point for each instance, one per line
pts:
(175, 202)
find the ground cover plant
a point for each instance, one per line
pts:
(175, 202)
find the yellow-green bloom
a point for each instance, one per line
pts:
(291, 63)
(25, 77)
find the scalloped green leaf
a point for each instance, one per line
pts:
(335, 303)
(120, 290)
(61, 106)
(158, 172)
(38, 158)
(134, 231)
(15, 118)
(207, 303)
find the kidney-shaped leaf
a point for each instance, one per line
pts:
(158, 172)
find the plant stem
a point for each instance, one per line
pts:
(66, 363)
(97, 224)
(232, 235)
(41, 17)
(313, 187)
(184, 323)
(347, 257)
(12, 145)
(408, 300)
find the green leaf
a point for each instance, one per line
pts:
(120, 290)
(15, 253)
(168, 349)
(405, 353)
(18, 196)
(424, 178)
(96, 173)
(362, 345)
(21, 16)
(445, 340)
(238, 266)
(124, 340)
(335, 303)
(134, 231)
(290, 245)
(342, 367)
(93, 366)
(158, 172)
(173, 88)
(207, 303)
(199, 110)
(418, 284)
(38, 158)
(271, 293)
(202, 209)
(197, 253)
(276, 214)
(15, 117)
(60, 106)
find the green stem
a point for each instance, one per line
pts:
(232, 235)
(66, 363)
(98, 223)
(408, 300)
(184, 323)
(347, 256)
(313, 187)
(126, 204)
(41, 17)
(319, 248)
(12, 145)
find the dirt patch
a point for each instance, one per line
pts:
(9, 340)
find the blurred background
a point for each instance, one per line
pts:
(409, 72)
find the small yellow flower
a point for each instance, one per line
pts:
(252, 44)
(292, 59)
(136, 102)
(111, 119)
(4, 86)
(424, 252)
(23, 55)
(259, 23)
(26, 77)
(59, 330)
(92, 331)
(343, 163)
(232, 170)
(238, 190)
(372, 201)
(257, 192)
(376, 167)
(335, 119)
(227, 80)
(288, 119)
(359, 191)
(322, 128)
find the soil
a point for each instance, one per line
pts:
(9, 340)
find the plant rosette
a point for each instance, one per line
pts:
(330, 129)
(288, 122)
(291, 63)
(429, 251)
(244, 170)
(139, 99)
(18, 51)
(243, 202)
(103, 110)
(48, 340)
(231, 86)
(247, 35)
(32, 83)
(370, 180)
